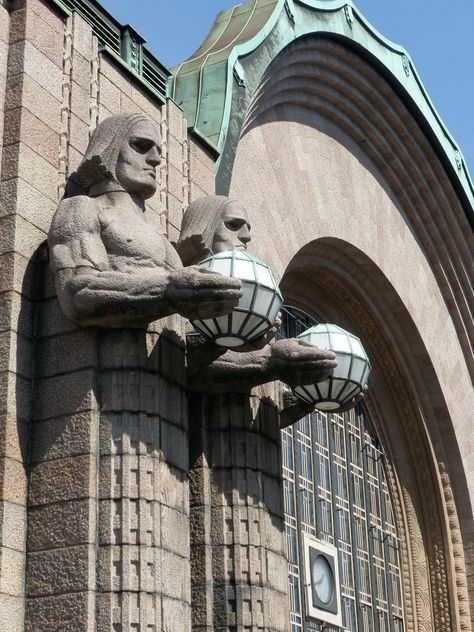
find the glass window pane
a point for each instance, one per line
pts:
(320, 340)
(223, 322)
(343, 365)
(275, 308)
(357, 369)
(251, 324)
(244, 270)
(222, 266)
(357, 348)
(340, 342)
(260, 330)
(264, 277)
(263, 301)
(245, 301)
(237, 320)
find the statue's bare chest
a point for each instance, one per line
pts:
(127, 236)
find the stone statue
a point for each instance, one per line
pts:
(210, 225)
(112, 268)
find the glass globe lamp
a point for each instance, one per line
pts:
(256, 310)
(349, 377)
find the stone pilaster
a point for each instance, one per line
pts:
(238, 562)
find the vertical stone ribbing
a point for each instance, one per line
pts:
(4, 34)
(164, 164)
(239, 575)
(65, 108)
(13, 428)
(185, 168)
(94, 87)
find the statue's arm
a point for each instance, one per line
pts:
(91, 293)
(292, 361)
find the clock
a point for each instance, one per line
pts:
(322, 581)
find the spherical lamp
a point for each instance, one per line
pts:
(349, 377)
(256, 310)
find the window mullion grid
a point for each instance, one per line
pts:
(338, 456)
(301, 444)
(306, 478)
(389, 538)
(322, 462)
(358, 512)
(291, 522)
(324, 484)
(383, 603)
(373, 518)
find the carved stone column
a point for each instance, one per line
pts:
(143, 579)
(238, 562)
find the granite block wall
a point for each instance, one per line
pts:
(93, 425)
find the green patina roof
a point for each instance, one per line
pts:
(204, 84)
(201, 84)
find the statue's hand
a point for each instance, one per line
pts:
(299, 362)
(200, 293)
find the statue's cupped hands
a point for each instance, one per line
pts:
(199, 293)
(299, 362)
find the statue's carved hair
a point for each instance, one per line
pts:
(198, 227)
(100, 160)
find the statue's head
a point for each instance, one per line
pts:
(122, 155)
(210, 225)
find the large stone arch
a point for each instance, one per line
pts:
(342, 284)
(352, 207)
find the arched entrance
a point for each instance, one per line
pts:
(355, 232)
(360, 202)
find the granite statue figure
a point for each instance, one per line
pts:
(111, 267)
(210, 225)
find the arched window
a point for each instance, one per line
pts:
(335, 490)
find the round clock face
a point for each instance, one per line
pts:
(323, 579)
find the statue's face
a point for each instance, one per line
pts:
(233, 230)
(138, 158)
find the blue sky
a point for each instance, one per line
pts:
(438, 35)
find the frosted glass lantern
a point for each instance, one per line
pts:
(256, 310)
(349, 377)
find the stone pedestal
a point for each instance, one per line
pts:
(238, 562)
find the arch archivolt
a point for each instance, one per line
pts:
(352, 208)
(337, 287)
